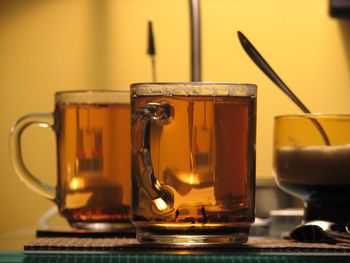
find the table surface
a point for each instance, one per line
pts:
(11, 250)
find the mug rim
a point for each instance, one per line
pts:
(194, 83)
(212, 89)
(93, 96)
(84, 91)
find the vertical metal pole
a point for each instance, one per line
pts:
(195, 40)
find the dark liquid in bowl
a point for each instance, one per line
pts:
(320, 175)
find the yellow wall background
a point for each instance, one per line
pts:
(50, 45)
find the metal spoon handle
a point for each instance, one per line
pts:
(272, 75)
(338, 237)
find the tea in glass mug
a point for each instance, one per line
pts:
(193, 162)
(92, 129)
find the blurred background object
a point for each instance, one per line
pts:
(339, 8)
(151, 50)
(51, 45)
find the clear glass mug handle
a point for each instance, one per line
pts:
(44, 120)
(161, 114)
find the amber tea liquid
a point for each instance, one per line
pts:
(93, 162)
(206, 156)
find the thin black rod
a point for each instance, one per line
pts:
(151, 49)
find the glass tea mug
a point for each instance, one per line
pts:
(92, 129)
(193, 162)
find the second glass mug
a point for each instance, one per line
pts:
(92, 129)
(193, 162)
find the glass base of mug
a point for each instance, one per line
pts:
(103, 226)
(237, 235)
